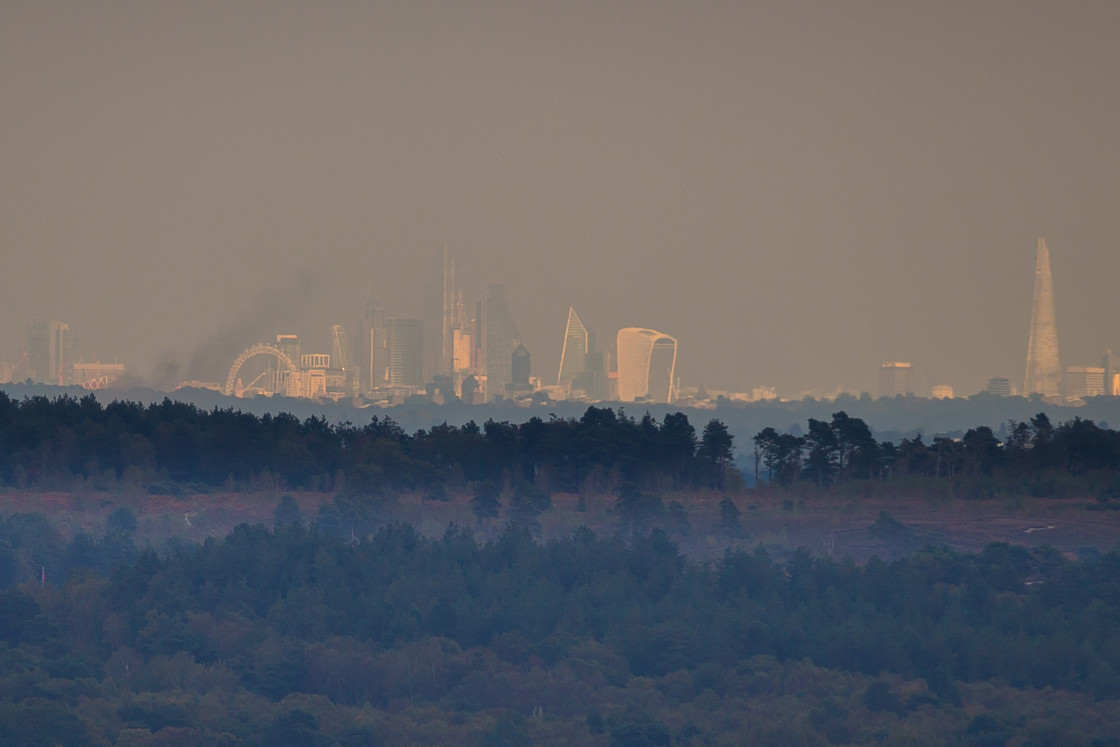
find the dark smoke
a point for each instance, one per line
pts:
(272, 311)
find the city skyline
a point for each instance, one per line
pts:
(796, 192)
(448, 344)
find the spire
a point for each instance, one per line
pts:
(1044, 373)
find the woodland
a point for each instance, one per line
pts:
(348, 627)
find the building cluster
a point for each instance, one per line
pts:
(1044, 374)
(472, 351)
(458, 350)
(51, 357)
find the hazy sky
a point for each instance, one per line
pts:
(796, 191)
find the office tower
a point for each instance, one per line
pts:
(999, 386)
(941, 391)
(62, 354)
(501, 337)
(406, 352)
(1044, 373)
(478, 338)
(647, 363)
(462, 353)
(593, 381)
(290, 346)
(1084, 381)
(39, 349)
(470, 390)
(520, 369)
(340, 360)
(895, 379)
(374, 347)
(441, 316)
(573, 356)
(1111, 368)
(50, 348)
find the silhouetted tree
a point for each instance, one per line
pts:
(715, 451)
(484, 499)
(729, 516)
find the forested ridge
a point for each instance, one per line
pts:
(1034, 457)
(172, 445)
(400, 639)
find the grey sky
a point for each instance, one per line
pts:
(797, 191)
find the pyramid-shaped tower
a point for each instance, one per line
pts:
(1044, 372)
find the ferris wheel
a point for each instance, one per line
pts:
(260, 349)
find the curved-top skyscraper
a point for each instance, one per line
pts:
(1044, 372)
(647, 362)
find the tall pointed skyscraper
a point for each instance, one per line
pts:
(1044, 372)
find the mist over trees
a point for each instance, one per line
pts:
(348, 627)
(305, 634)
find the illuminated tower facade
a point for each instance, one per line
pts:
(1044, 372)
(895, 379)
(647, 362)
(406, 352)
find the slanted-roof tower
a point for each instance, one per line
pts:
(573, 356)
(1044, 372)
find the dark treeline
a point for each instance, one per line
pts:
(65, 441)
(580, 640)
(173, 447)
(1034, 457)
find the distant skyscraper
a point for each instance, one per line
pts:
(62, 354)
(501, 337)
(521, 366)
(470, 390)
(593, 381)
(441, 317)
(39, 349)
(50, 349)
(1111, 368)
(374, 346)
(1084, 381)
(1044, 372)
(895, 379)
(406, 352)
(647, 362)
(573, 356)
(999, 386)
